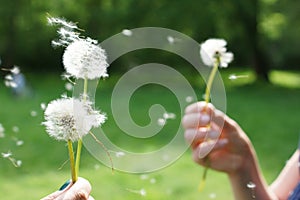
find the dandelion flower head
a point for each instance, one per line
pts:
(71, 119)
(84, 59)
(213, 49)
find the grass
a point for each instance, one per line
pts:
(269, 113)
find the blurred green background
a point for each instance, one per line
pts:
(263, 35)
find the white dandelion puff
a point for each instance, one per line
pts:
(213, 49)
(71, 119)
(127, 32)
(82, 59)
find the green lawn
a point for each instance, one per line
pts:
(268, 113)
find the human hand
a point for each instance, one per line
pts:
(80, 190)
(216, 140)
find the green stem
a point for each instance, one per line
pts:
(79, 143)
(72, 160)
(210, 81)
(207, 99)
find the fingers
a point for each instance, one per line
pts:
(203, 114)
(79, 191)
(207, 147)
(196, 136)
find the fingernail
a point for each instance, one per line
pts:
(65, 185)
(204, 118)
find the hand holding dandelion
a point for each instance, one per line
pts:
(213, 54)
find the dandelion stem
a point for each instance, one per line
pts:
(72, 160)
(210, 81)
(207, 99)
(79, 143)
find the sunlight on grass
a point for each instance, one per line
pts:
(285, 78)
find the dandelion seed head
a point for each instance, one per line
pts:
(213, 48)
(82, 59)
(71, 119)
(127, 32)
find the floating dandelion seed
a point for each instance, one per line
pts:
(15, 129)
(43, 106)
(6, 155)
(69, 86)
(19, 142)
(212, 195)
(120, 154)
(161, 121)
(152, 180)
(189, 99)
(127, 32)
(2, 134)
(144, 177)
(171, 39)
(169, 115)
(96, 166)
(15, 70)
(33, 113)
(251, 185)
(141, 192)
(234, 77)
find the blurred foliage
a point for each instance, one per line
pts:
(265, 31)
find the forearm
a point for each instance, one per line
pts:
(248, 181)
